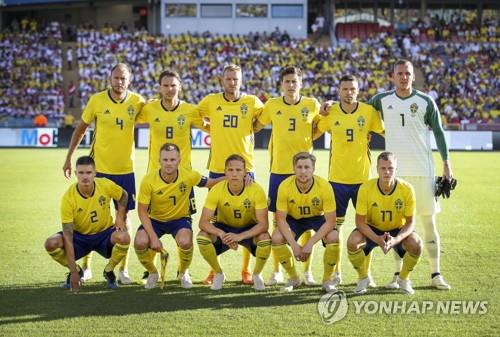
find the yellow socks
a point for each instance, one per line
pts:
(59, 255)
(285, 257)
(357, 259)
(185, 258)
(207, 250)
(330, 260)
(409, 262)
(261, 255)
(146, 259)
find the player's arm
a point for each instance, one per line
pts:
(70, 255)
(261, 226)
(76, 138)
(121, 212)
(257, 126)
(286, 231)
(434, 121)
(206, 225)
(210, 182)
(364, 229)
(325, 107)
(329, 225)
(319, 127)
(154, 242)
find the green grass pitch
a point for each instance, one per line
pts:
(32, 304)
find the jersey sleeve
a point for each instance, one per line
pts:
(88, 114)
(323, 124)
(265, 116)
(145, 192)
(202, 109)
(257, 107)
(362, 202)
(113, 190)
(142, 116)
(410, 202)
(213, 197)
(66, 209)
(281, 200)
(196, 120)
(432, 118)
(329, 204)
(377, 123)
(377, 104)
(194, 178)
(260, 198)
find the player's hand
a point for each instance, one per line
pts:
(120, 225)
(231, 239)
(323, 111)
(67, 168)
(297, 251)
(390, 242)
(447, 173)
(306, 251)
(75, 282)
(380, 241)
(155, 244)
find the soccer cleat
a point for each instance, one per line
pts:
(292, 283)
(246, 277)
(87, 275)
(151, 281)
(218, 281)
(110, 278)
(309, 279)
(145, 276)
(210, 278)
(439, 283)
(337, 279)
(394, 283)
(405, 286)
(258, 282)
(185, 279)
(362, 285)
(67, 284)
(123, 277)
(371, 282)
(276, 277)
(329, 286)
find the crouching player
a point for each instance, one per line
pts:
(164, 199)
(305, 201)
(384, 217)
(88, 225)
(241, 219)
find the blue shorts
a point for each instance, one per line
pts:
(99, 242)
(127, 182)
(344, 193)
(220, 247)
(370, 244)
(213, 175)
(274, 182)
(301, 225)
(169, 227)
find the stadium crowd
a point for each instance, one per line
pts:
(457, 59)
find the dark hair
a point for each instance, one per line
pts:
(385, 156)
(85, 160)
(349, 78)
(290, 70)
(170, 147)
(302, 156)
(401, 62)
(169, 73)
(236, 157)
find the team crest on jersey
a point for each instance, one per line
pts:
(182, 187)
(181, 120)
(304, 113)
(315, 201)
(247, 203)
(131, 111)
(244, 110)
(361, 122)
(398, 204)
(102, 201)
(413, 109)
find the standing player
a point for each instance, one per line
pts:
(350, 123)
(88, 225)
(292, 117)
(164, 208)
(384, 217)
(232, 115)
(409, 116)
(305, 202)
(241, 219)
(113, 112)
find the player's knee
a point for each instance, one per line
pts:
(332, 237)
(141, 240)
(203, 234)
(263, 236)
(185, 242)
(53, 242)
(413, 244)
(354, 241)
(122, 238)
(277, 238)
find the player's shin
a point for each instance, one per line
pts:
(330, 260)
(357, 259)
(185, 258)
(409, 262)
(117, 255)
(261, 255)
(146, 259)
(59, 255)
(286, 259)
(207, 250)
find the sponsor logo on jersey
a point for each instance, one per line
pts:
(291, 201)
(279, 113)
(337, 123)
(159, 193)
(218, 108)
(157, 119)
(79, 210)
(374, 204)
(226, 204)
(107, 112)
(390, 107)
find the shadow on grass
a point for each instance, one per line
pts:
(46, 302)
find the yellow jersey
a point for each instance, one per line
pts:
(349, 150)
(236, 210)
(168, 201)
(317, 201)
(386, 211)
(231, 128)
(113, 141)
(292, 126)
(90, 215)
